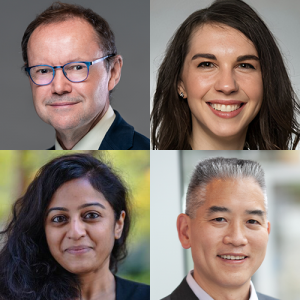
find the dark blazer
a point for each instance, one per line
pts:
(130, 290)
(183, 291)
(121, 136)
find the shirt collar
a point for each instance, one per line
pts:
(93, 139)
(201, 294)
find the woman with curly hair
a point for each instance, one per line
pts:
(223, 85)
(67, 235)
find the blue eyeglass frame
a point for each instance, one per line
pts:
(88, 64)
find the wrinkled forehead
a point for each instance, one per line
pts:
(73, 35)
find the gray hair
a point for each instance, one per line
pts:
(220, 168)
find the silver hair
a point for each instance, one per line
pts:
(220, 168)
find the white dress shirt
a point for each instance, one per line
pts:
(201, 294)
(93, 139)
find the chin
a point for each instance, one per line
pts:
(79, 269)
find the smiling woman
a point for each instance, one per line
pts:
(223, 85)
(68, 234)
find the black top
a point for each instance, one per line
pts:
(130, 290)
(121, 136)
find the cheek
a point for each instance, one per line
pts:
(205, 239)
(253, 88)
(53, 238)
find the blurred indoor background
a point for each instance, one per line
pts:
(18, 169)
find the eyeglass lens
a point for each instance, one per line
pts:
(74, 72)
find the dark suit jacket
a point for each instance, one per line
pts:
(121, 136)
(183, 291)
(130, 290)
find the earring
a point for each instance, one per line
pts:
(181, 95)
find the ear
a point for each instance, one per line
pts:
(119, 225)
(115, 72)
(181, 88)
(183, 229)
(269, 227)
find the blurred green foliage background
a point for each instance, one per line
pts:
(18, 168)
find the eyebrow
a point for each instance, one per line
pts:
(214, 209)
(79, 207)
(257, 212)
(213, 57)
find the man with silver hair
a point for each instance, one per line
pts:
(226, 227)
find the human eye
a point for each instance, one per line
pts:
(91, 216)
(206, 65)
(75, 67)
(253, 222)
(43, 70)
(246, 66)
(59, 219)
(219, 220)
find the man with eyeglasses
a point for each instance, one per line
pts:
(71, 59)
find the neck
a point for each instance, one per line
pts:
(218, 292)
(98, 285)
(69, 138)
(203, 139)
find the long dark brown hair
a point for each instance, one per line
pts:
(274, 127)
(28, 270)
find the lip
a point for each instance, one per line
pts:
(63, 104)
(81, 249)
(226, 115)
(234, 262)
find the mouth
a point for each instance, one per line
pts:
(78, 249)
(226, 109)
(63, 104)
(233, 259)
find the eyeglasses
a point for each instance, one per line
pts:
(77, 71)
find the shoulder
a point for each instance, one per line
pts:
(130, 290)
(140, 142)
(183, 291)
(264, 297)
(122, 136)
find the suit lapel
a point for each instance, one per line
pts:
(183, 291)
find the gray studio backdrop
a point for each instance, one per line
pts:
(20, 127)
(281, 17)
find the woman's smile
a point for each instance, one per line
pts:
(222, 81)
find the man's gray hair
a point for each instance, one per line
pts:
(220, 168)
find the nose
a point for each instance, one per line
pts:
(76, 230)
(226, 82)
(236, 235)
(60, 84)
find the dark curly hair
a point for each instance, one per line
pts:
(27, 269)
(275, 127)
(59, 12)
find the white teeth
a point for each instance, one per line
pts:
(225, 108)
(232, 257)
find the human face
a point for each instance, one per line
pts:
(63, 104)
(222, 81)
(231, 222)
(80, 228)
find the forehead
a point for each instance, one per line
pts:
(236, 194)
(76, 192)
(220, 39)
(71, 38)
